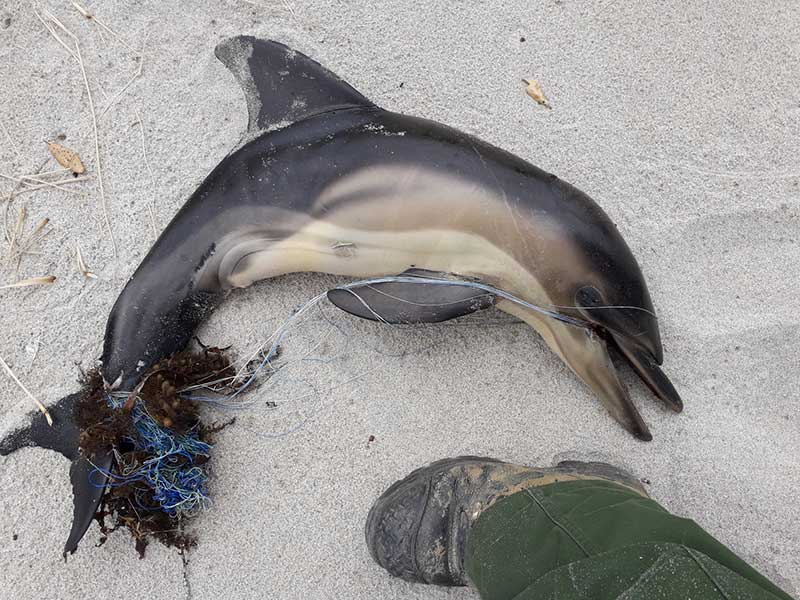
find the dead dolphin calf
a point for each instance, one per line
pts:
(326, 181)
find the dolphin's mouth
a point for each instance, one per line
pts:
(632, 333)
(644, 364)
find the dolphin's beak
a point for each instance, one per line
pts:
(586, 353)
(634, 332)
(591, 362)
(646, 367)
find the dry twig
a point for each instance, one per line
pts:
(31, 282)
(82, 264)
(50, 24)
(41, 406)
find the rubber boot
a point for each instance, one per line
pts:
(419, 527)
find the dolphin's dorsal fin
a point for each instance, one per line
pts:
(281, 85)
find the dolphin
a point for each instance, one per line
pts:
(324, 180)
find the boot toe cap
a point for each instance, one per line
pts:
(393, 525)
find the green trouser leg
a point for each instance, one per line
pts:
(597, 540)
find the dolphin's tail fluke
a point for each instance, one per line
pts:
(63, 437)
(88, 487)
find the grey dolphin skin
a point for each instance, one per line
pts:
(326, 181)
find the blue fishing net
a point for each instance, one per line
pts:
(173, 477)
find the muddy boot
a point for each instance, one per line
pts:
(418, 528)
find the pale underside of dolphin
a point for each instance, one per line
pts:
(325, 181)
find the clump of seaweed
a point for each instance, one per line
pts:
(161, 446)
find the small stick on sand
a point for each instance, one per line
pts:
(94, 18)
(56, 184)
(46, 280)
(10, 140)
(41, 406)
(151, 206)
(26, 179)
(82, 264)
(50, 25)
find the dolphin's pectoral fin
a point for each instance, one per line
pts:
(405, 302)
(282, 86)
(88, 487)
(61, 436)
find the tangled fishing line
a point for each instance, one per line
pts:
(162, 447)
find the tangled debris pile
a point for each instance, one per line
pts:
(161, 446)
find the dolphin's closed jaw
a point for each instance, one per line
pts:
(646, 367)
(586, 354)
(634, 332)
(594, 365)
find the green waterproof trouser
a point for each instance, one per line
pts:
(598, 540)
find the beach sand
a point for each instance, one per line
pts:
(681, 121)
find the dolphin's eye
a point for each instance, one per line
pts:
(588, 296)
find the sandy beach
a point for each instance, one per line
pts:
(681, 120)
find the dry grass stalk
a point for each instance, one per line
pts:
(29, 180)
(30, 282)
(14, 234)
(7, 206)
(50, 24)
(124, 88)
(151, 206)
(92, 17)
(112, 101)
(82, 264)
(19, 245)
(136, 75)
(54, 184)
(10, 140)
(289, 8)
(42, 407)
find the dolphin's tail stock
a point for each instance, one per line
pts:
(281, 86)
